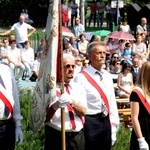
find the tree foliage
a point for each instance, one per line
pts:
(11, 9)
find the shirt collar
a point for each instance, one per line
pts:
(93, 70)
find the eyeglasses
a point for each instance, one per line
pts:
(68, 66)
(128, 45)
(115, 57)
(78, 60)
(128, 66)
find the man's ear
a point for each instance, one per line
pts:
(89, 56)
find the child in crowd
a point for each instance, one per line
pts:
(127, 50)
(41, 46)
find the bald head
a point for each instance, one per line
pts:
(21, 19)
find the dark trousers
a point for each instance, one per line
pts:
(7, 135)
(97, 132)
(73, 17)
(100, 19)
(74, 140)
(92, 16)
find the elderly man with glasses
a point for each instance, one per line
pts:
(74, 102)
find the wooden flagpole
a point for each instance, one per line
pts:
(63, 137)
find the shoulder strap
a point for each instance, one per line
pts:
(142, 98)
(6, 100)
(98, 88)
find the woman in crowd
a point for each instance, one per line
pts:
(65, 17)
(140, 110)
(125, 80)
(109, 63)
(82, 45)
(139, 48)
(114, 73)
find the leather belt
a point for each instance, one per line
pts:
(4, 122)
(72, 134)
(97, 115)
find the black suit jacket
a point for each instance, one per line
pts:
(135, 75)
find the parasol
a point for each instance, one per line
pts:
(102, 32)
(120, 35)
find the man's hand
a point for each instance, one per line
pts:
(64, 99)
(143, 144)
(113, 134)
(113, 138)
(19, 135)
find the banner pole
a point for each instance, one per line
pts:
(63, 137)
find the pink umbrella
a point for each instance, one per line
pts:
(120, 35)
(65, 31)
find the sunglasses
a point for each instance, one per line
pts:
(78, 60)
(115, 57)
(128, 66)
(68, 66)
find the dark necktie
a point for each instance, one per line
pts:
(103, 106)
(6, 108)
(70, 109)
(100, 75)
(136, 70)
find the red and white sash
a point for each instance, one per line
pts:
(69, 109)
(98, 88)
(7, 100)
(140, 93)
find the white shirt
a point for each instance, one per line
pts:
(108, 7)
(74, 8)
(102, 4)
(21, 31)
(94, 100)
(78, 94)
(126, 28)
(14, 54)
(36, 65)
(27, 55)
(64, 7)
(82, 46)
(4, 50)
(7, 76)
(78, 29)
(139, 48)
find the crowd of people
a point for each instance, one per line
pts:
(97, 8)
(16, 51)
(125, 62)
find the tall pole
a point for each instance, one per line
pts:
(82, 12)
(117, 12)
(63, 134)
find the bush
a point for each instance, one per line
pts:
(31, 141)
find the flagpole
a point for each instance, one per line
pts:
(63, 137)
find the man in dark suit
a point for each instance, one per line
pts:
(135, 69)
